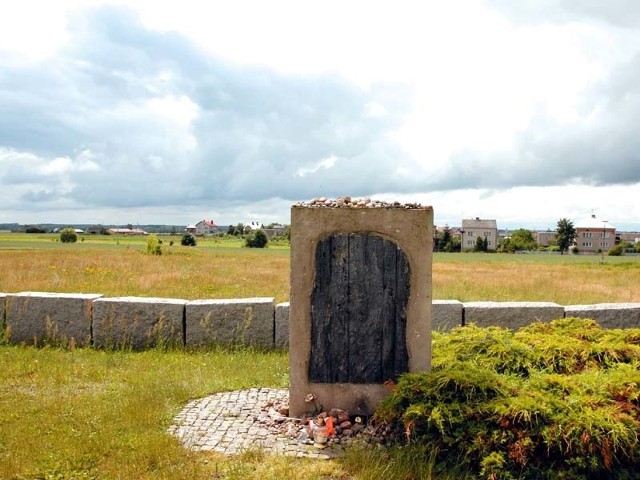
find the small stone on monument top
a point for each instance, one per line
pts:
(345, 202)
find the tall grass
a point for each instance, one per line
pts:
(181, 272)
(220, 268)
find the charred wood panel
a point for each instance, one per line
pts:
(358, 310)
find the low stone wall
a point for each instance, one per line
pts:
(37, 318)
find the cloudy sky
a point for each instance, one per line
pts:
(119, 112)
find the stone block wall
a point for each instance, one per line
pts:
(248, 322)
(138, 323)
(446, 314)
(35, 318)
(510, 314)
(282, 326)
(608, 315)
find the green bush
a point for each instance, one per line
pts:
(154, 245)
(558, 401)
(616, 251)
(257, 239)
(188, 240)
(68, 235)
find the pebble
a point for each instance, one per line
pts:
(348, 202)
(234, 422)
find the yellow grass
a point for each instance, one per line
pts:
(188, 273)
(219, 268)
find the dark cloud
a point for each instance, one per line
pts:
(253, 130)
(128, 117)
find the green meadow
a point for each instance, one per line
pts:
(87, 414)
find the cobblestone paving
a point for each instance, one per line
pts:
(233, 422)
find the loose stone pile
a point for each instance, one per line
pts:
(326, 429)
(348, 202)
(233, 422)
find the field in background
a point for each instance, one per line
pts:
(89, 414)
(220, 268)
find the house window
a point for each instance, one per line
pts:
(587, 234)
(605, 244)
(587, 244)
(470, 234)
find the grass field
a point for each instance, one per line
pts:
(86, 414)
(221, 268)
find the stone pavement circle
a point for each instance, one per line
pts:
(234, 422)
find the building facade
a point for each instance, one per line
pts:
(544, 239)
(203, 227)
(477, 227)
(594, 235)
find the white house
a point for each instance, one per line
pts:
(252, 226)
(477, 227)
(203, 227)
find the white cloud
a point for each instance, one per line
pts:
(325, 163)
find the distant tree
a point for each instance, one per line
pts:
(479, 246)
(35, 230)
(68, 235)
(565, 234)
(236, 229)
(446, 237)
(455, 245)
(505, 245)
(616, 250)
(443, 241)
(520, 239)
(188, 240)
(437, 242)
(257, 239)
(153, 245)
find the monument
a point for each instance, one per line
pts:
(360, 311)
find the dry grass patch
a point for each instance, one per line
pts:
(183, 272)
(561, 279)
(220, 268)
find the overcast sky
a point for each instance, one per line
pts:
(173, 112)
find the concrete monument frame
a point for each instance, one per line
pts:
(411, 229)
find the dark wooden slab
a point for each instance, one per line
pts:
(358, 310)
